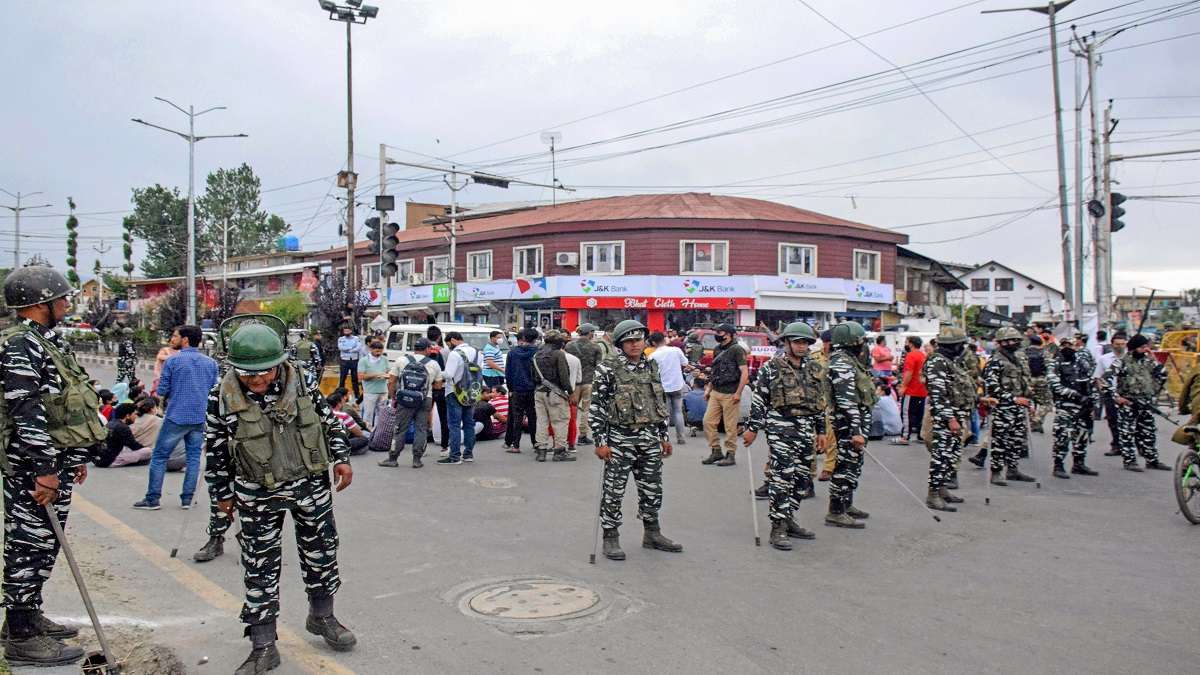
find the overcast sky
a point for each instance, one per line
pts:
(446, 78)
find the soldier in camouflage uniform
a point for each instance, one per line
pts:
(270, 441)
(693, 348)
(1135, 380)
(590, 354)
(951, 399)
(126, 357)
(1070, 380)
(853, 395)
(1089, 361)
(49, 424)
(789, 398)
(1006, 378)
(1035, 355)
(308, 354)
(629, 426)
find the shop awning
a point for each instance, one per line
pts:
(800, 303)
(474, 307)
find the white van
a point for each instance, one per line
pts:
(402, 338)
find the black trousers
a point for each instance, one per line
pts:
(520, 407)
(349, 367)
(1110, 414)
(439, 402)
(916, 415)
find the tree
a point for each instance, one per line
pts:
(227, 300)
(334, 307)
(160, 218)
(232, 198)
(1191, 297)
(172, 308)
(115, 286)
(72, 245)
(291, 308)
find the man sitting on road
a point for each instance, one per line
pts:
(121, 448)
(358, 439)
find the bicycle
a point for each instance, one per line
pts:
(1187, 478)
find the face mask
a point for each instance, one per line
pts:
(1011, 347)
(1139, 355)
(951, 351)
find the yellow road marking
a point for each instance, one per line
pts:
(299, 649)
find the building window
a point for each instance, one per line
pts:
(704, 257)
(981, 285)
(1002, 309)
(1004, 283)
(798, 259)
(370, 275)
(602, 257)
(404, 271)
(1032, 309)
(866, 265)
(527, 261)
(437, 269)
(479, 266)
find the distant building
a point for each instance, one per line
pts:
(1001, 289)
(258, 278)
(1165, 308)
(923, 286)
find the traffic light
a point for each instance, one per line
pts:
(373, 234)
(1114, 207)
(389, 242)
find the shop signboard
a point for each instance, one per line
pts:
(651, 302)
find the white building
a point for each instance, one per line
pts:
(1003, 290)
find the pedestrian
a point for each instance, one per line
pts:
(126, 357)
(590, 353)
(148, 423)
(789, 398)
(728, 378)
(912, 387)
(1135, 380)
(410, 390)
(1006, 378)
(1118, 347)
(434, 335)
(951, 398)
(672, 364)
(493, 360)
(50, 405)
(490, 420)
(464, 381)
(630, 432)
(286, 438)
(575, 367)
(518, 372)
(882, 358)
(121, 447)
(160, 361)
(551, 397)
(185, 382)
(1035, 355)
(350, 350)
(374, 370)
(307, 352)
(852, 392)
(108, 401)
(1070, 378)
(355, 436)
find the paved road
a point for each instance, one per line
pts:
(1080, 576)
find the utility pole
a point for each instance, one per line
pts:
(17, 220)
(386, 281)
(101, 249)
(451, 182)
(1079, 96)
(1103, 241)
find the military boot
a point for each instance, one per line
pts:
(715, 456)
(1155, 464)
(952, 484)
(948, 496)
(1015, 474)
(214, 548)
(561, 455)
(796, 532)
(837, 517)
(978, 458)
(653, 538)
(264, 656)
(998, 478)
(934, 501)
(728, 460)
(46, 627)
(1081, 469)
(855, 512)
(539, 454)
(391, 460)
(1059, 470)
(779, 536)
(321, 621)
(612, 545)
(27, 646)
(763, 492)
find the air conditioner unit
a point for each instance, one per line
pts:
(416, 279)
(566, 259)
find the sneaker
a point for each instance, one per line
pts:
(450, 460)
(147, 505)
(445, 454)
(583, 440)
(512, 450)
(468, 458)
(185, 505)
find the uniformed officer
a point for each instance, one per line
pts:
(270, 441)
(126, 357)
(1070, 380)
(1136, 378)
(590, 353)
(952, 397)
(49, 422)
(1006, 378)
(1035, 355)
(789, 399)
(308, 354)
(628, 416)
(853, 395)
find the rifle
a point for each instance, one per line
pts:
(1154, 409)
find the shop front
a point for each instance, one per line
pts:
(657, 313)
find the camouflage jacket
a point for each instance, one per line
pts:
(1118, 378)
(760, 392)
(1006, 377)
(590, 354)
(850, 411)
(604, 432)
(1070, 380)
(951, 389)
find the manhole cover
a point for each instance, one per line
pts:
(533, 600)
(494, 483)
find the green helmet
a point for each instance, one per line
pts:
(34, 285)
(255, 347)
(849, 333)
(586, 328)
(629, 329)
(951, 336)
(1007, 333)
(799, 330)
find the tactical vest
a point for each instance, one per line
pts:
(725, 369)
(638, 399)
(798, 391)
(1037, 361)
(695, 352)
(962, 387)
(304, 351)
(1074, 374)
(970, 361)
(1137, 378)
(72, 415)
(284, 442)
(589, 354)
(1014, 374)
(864, 386)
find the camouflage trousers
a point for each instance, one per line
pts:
(1044, 401)
(1136, 433)
(945, 450)
(126, 369)
(30, 547)
(1009, 435)
(846, 470)
(261, 512)
(642, 457)
(1070, 431)
(218, 522)
(792, 442)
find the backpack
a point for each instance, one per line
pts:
(469, 388)
(413, 380)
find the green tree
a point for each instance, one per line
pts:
(291, 307)
(72, 245)
(160, 219)
(115, 286)
(232, 199)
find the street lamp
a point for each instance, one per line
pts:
(192, 139)
(17, 220)
(351, 13)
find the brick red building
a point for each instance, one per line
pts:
(672, 259)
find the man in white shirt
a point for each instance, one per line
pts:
(462, 390)
(575, 367)
(423, 352)
(1103, 364)
(672, 363)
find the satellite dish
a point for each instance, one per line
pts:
(551, 137)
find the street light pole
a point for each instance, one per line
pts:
(192, 139)
(17, 220)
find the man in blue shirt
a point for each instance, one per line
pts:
(186, 379)
(350, 349)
